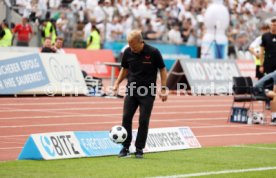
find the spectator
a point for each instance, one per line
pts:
(48, 30)
(78, 7)
(150, 34)
(186, 30)
(109, 10)
(78, 36)
(5, 35)
(62, 25)
(24, 33)
(174, 35)
(58, 45)
(42, 8)
(54, 4)
(22, 4)
(47, 46)
(94, 40)
(114, 30)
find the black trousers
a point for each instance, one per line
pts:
(22, 43)
(131, 104)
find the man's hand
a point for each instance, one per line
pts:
(115, 89)
(261, 69)
(164, 94)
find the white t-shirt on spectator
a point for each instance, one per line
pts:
(77, 5)
(22, 4)
(174, 36)
(54, 4)
(270, 6)
(42, 8)
(123, 10)
(60, 51)
(91, 4)
(110, 27)
(109, 11)
(28, 9)
(99, 14)
(256, 43)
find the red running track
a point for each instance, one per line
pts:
(205, 115)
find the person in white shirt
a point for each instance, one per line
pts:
(174, 35)
(58, 45)
(62, 25)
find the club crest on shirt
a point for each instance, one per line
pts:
(147, 60)
(147, 57)
(274, 39)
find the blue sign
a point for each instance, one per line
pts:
(30, 151)
(97, 143)
(169, 52)
(22, 73)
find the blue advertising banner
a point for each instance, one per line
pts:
(22, 73)
(97, 143)
(169, 52)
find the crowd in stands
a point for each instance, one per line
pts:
(169, 21)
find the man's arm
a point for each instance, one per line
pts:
(121, 77)
(262, 59)
(163, 94)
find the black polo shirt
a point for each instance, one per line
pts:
(269, 44)
(142, 67)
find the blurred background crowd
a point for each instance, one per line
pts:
(165, 21)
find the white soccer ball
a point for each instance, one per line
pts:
(258, 118)
(118, 134)
(257, 50)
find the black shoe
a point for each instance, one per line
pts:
(124, 153)
(139, 153)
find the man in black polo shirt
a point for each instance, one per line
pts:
(268, 49)
(140, 64)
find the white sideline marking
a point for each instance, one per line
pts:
(109, 102)
(239, 134)
(8, 136)
(102, 115)
(255, 147)
(112, 122)
(219, 172)
(111, 108)
(9, 148)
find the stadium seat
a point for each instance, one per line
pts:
(243, 93)
(94, 85)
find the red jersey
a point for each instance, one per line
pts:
(23, 32)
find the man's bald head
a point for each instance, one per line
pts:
(135, 35)
(135, 41)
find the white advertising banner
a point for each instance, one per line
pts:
(47, 146)
(62, 70)
(206, 76)
(62, 145)
(170, 138)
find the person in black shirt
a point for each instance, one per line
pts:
(140, 64)
(47, 46)
(268, 49)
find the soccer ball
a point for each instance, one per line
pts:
(257, 50)
(118, 134)
(258, 118)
